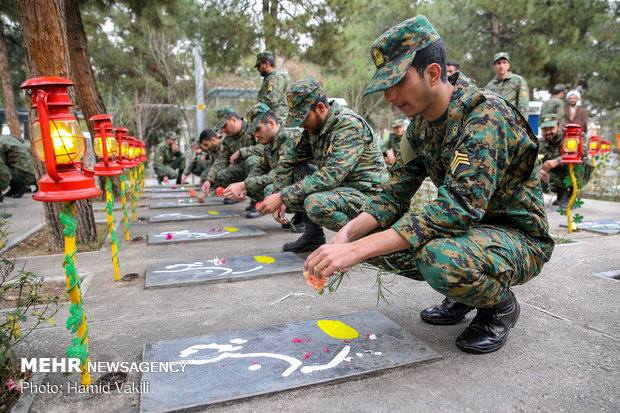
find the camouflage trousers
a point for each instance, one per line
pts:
(476, 269)
(332, 209)
(9, 176)
(235, 173)
(560, 172)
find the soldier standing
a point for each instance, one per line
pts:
(349, 163)
(392, 146)
(169, 162)
(273, 90)
(508, 85)
(487, 229)
(16, 168)
(555, 104)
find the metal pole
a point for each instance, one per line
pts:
(200, 98)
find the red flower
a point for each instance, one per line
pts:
(219, 191)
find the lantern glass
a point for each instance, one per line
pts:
(67, 140)
(570, 145)
(111, 146)
(125, 149)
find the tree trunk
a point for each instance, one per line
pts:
(46, 54)
(7, 88)
(270, 24)
(495, 24)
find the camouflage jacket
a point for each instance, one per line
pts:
(270, 154)
(392, 143)
(553, 105)
(15, 154)
(514, 89)
(200, 163)
(481, 155)
(228, 146)
(344, 151)
(273, 94)
(167, 162)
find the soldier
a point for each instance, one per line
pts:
(487, 229)
(204, 156)
(508, 85)
(16, 167)
(392, 146)
(273, 141)
(452, 66)
(273, 90)
(225, 170)
(555, 104)
(553, 169)
(169, 161)
(349, 163)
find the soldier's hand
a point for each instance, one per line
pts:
(235, 190)
(389, 157)
(550, 164)
(174, 147)
(544, 175)
(165, 179)
(331, 258)
(270, 204)
(201, 197)
(206, 187)
(280, 215)
(234, 157)
(183, 178)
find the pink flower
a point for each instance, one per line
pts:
(325, 349)
(306, 355)
(255, 362)
(297, 340)
(169, 236)
(346, 341)
(307, 339)
(12, 385)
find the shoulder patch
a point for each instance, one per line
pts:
(406, 150)
(461, 163)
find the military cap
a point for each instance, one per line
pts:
(559, 88)
(398, 122)
(395, 49)
(501, 55)
(549, 120)
(172, 135)
(263, 57)
(301, 96)
(255, 114)
(222, 115)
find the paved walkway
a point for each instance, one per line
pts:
(563, 354)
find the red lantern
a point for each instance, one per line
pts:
(59, 143)
(572, 144)
(133, 151)
(594, 145)
(105, 147)
(605, 146)
(123, 147)
(143, 157)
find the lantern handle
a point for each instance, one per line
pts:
(46, 137)
(104, 143)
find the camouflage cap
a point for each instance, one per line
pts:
(263, 57)
(222, 115)
(301, 96)
(255, 114)
(549, 120)
(395, 49)
(559, 88)
(398, 122)
(171, 135)
(501, 55)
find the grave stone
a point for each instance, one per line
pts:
(240, 364)
(202, 234)
(190, 202)
(175, 274)
(177, 188)
(187, 216)
(601, 226)
(170, 195)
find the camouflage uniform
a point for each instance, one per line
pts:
(554, 105)
(393, 143)
(16, 166)
(349, 162)
(222, 173)
(487, 228)
(199, 166)
(514, 89)
(167, 162)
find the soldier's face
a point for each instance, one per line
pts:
(451, 69)
(550, 133)
(232, 126)
(266, 132)
(262, 69)
(209, 145)
(501, 66)
(313, 122)
(412, 95)
(399, 131)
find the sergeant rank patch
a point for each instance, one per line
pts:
(461, 164)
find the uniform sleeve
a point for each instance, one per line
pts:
(222, 160)
(251, 150)
(298, 152)
(348, 141)
(524, 99)
(464, 196)
(190, 167)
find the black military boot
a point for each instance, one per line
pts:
(489, 329)
(18, 191)
(298, 222)
(253, 213)
(557, 198)
(566, 194)
(448, 313)
(312, 238)
(229, 201)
